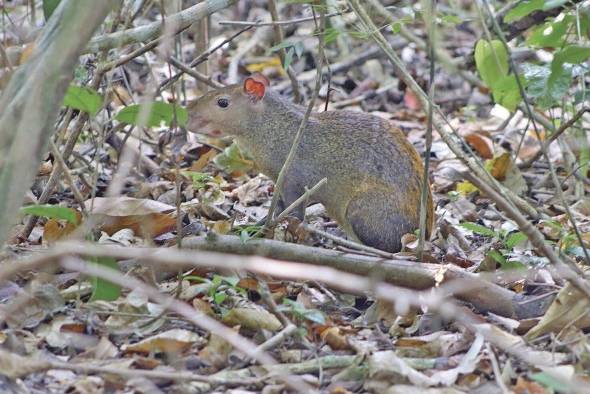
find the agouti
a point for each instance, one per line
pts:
(374, 174)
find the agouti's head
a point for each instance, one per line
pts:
(226, 111)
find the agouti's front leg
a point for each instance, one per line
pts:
(289, 194)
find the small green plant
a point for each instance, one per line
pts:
(301, 313)
(248, 232)
(508, 241)
(216, 288)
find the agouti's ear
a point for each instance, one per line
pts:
(254, 88)
(261, 78)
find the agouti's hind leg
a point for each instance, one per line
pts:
(381, 228)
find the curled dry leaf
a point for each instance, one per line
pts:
(14, 366)
(252, 318)
(172, 341)
(481, 144)
(334, 337)
(570, 307)
(216, 352)
(147, 218)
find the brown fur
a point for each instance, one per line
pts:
(374, 174)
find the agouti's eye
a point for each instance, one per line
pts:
(223, 102)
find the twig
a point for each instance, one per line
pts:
(357, 284)
(201, 58)
(299, 134)
(442, 124)
(60, 160)
(348, 243)
(425, 193)
(554, 136)
(496, 369)
(279, 23)
(568, 272)
(198, 319)
(301, 200)
(180, 21)
(279, 37)
(524, 96)
(194, 73)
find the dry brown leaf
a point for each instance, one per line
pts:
(14, 366)
(252, 318)
(481, 144)
(500, 166)
(147, 218)
(216, 352)
(570, 307)
(172, 341)
(203, 160)
(334, 337)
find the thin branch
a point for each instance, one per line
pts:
(279, 23)
(279, 37)
(291, 156)
(180, 21)
(525, 100)
(555, 136)
(425, 193)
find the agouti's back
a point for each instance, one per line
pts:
(374, 174)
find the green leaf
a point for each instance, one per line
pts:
(244, 236)
(514, 239)
(572, 54)
(49, 6)
(218, 298)
(159, 112)
(523, 9)
(451, 20)
(288, 58)
(478, 229)
(550, 34)
(512, 265)
(497, 256)
(491, 60)
(538, 88)
(103, 289)
(232, 160)
(552, 383)
(52, 212)
(83, 99)
(331, 34)
(506, 92)
(278, 47)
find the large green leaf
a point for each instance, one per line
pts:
(523, 9)
(550, 34)
(83, 99)
(537, 78)
(571, 54)
(159, 112)
(49, 6)
(491, 60)
(51, 212)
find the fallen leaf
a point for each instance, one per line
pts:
(147, 218)
(172, 341)
(481, 144)
(252, 318)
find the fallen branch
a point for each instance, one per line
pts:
(180, 21)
